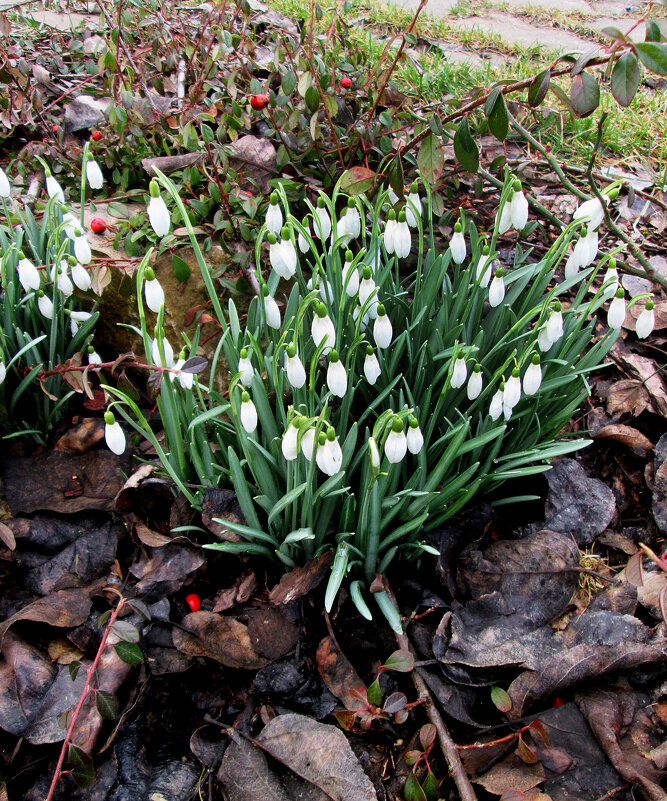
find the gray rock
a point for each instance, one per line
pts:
(85, 112)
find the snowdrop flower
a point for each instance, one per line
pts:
(413, 206)
(271, 309)
(555, 323)
(504, 220)
(392, 197)
(53, 188)
(28, 274)
(153, 291)
(610, 281)
(308, 444)
(533, 376)
(367, 288)
(382, 330)
(166, 349)
(355, 316)
(371, 366)
(616, 313)
(323, 329)
(72, 225)
(350, 276)
(3, 372)
(5, 188)
(457, 244)
(496, 405)
(113, 434)
(248, 413)
(414, 438)
(572, 265)
(326, 290)
(289, 441)
(81, 277)
(94, 174)
(296, 373)
(396, 444)
(390, 232)
(62, 280)
(158, 213)
(474, 387)
(484, 268)
(274, 214)
(75, 320)
(349, 225)
(591, 240)
(282, 254)
(544, 341)
(82, 251)
(94, 357)
(518, 208)
(374, 456)
(459, 373)
(329, 456)
(402, 241)
(336, 375)
(304, 244)
(591, 211)
(321, 220)
(497, 288)
(245, 368)
(187, 379)
(45, 306)
(646, 320)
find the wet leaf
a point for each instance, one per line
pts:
(338, 674)
(401, 661)
(81, 766)
(625, 78)
(628, 436)
(628, 396)
(465, 147)
(431, 159)
(129, 652)
(301, 580)
(394, 703)
(427, 735)
(501, 699)
(62, 608)
(538, 89)
(223, 639)
(413, 790)
(357, 180)
(271, 634)
(107, 705)
(374, 694)
(584, 94)
(653, 56)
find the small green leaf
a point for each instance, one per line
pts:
(107, 705)
(181, 269)
(400, 661)
(74, 668)
(427, 736)
(653, 32)
(125, 631)
(431, 787)
(288, 84)
(431, 159)
(584, 94)
(465, 147)
(413, 790)
(527, 755)
(81, 766)
(538, 89)
(625, 78)
(394, 703)
(496, 113)
(614, 33)
(395, 174)
(129, 652)
(357, 180)
(374, 694)
(345, 719)
(501, 699)
(653, 56)
(313, 98)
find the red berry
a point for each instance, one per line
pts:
(97, 225)
(346, 82)
(258, 102)
(54, 128)
(96, 136)
(193, 602)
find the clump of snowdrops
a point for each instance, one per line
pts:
(46, 307)
(378, 385)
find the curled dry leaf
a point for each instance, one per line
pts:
(338, 673)
(301, 580)
(220, 638)
(628, 436)
(62, 608)
(628, 396)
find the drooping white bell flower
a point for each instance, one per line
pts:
(248, 413)
(94, 174)
(82, 251)
(349, 226)
(414, 437)
(3, 372)
(283, 254)
(392, 197)
(544, 341)
(591, 211)
(72, 225)
(61, 278)
(274, 215)
(572, 265)
(507, 411)
(76, 318)
(323, 329)
(372, 369)
(5, 187)
(367, 287)
(532, 378)
(504, 223)
(616, 313)
(475, 383)
(271, 309)
(81, 277)
(382, 330)
(336, 375)
(485, 266)
(402, 239)
(168, 351)
(308, 444)
(591, 240)
(185, 379)
(356, 312)
(389, 232)
(245, 368)
(497, 288)
(53, 188)
(28, 274)
(555, 322)
(459, 373)
(413, 206)
(496, 405)
(304, 244)
(329, 455)
(350, 276)
(646, 320)
(94, 357)
(518, 208)
(158, 213)
(289, 442)
(45, 305)
(326, 290)
(321, 220)
(457, 244)
(610, 282)
(374, 456)
(153, 291)
(113, 434)
(396, 444)
(296, 373)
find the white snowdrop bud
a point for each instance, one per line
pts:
(274, 214)
(555, 323)
(289, 441)
(572, 265)
(94, 174)
(616, 313)
(402, 240)
(185, 379)
(382, 330)
(75, 320)
(3, 372)
(351, 220)
(374, 456)
(245, 368)
(645, 321)
(591, 240)
(271, 309)
(457, 244)
(81, 277)
(459, 373)
(113, 434)
(45, 305)
(396, 444)
(28, 274)
(296, 373)
(371, 366)
(484, 268)
(414, 437)
(332, 458)
(413, 206)
(308, 444)
(496, 405)
(533, 376)
(497, 288)
(367, 287)
(282, 254)
(518, 208)
(389, 232)
(53, 188)
(5, 188)
(153, 291)
(168, 351)
(350, 276)
(336, 375)
(475, 383)
(248, 413)
(321, 220)
(504, 221)
(591, 211)
(512, 391)
(326, 290)
(304, 245)
(610, 282)
(544, 341)
(322, 329)
(62, 280)
(71, 224)
(158, 213)
(82, 251)
(94, 357)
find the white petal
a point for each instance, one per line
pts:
(496, 291)
(321, 223)
(5, 188)
(645, 323)
(82, 251)
(532, 379)
(382, 331)
(496, 406)
(115, 438)
(158, 215)
(337, 378)
(413, 209)
(402, 240)
(519, 211)
(296, 373)
(246, 370)
(272, 312)
(474, 387)
(591, 211)
(308, 444)
(288, 444)
(168, 354)
(415, 440)
(248, 416)
(45, 306)
(504, 223)
(351, 280)
(459, 373)
(28, 275)
(512, 393)
(366, 289)
(396, 446)
(274, 218)
(544, 341)
(616, 313)
(555, 326)
(53, 189)
(321, 329)
(457, 245)
(372, 368)
(154, 295)
(81, 277)
(94, 175)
